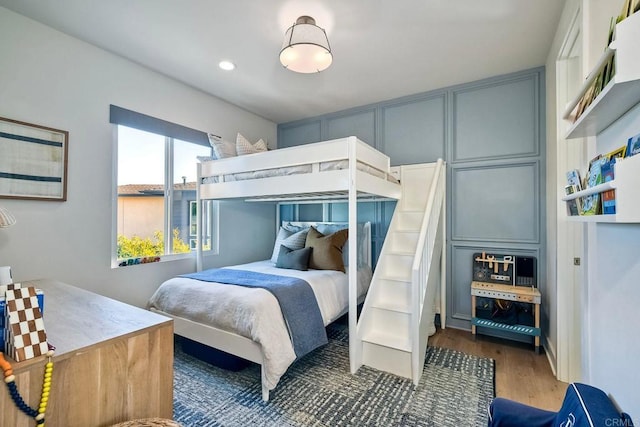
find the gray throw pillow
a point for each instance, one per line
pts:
(294, 259)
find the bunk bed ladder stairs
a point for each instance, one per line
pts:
(398, 313)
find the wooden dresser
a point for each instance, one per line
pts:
(113, 362)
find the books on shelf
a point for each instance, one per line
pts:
(602, 169)
(628, 8)
(573, 206)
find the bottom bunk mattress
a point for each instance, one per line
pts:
(255, 313)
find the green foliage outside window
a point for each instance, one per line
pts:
(134, 247)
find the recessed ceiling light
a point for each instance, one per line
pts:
(227, 65)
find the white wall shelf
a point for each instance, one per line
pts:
(627, 187)
(620, 94)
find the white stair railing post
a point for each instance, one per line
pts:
(420, 267)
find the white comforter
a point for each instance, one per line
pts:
(255, 313)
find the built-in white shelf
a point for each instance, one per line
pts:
(623, 91)
(627, 187)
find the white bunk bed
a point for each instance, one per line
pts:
(346, 169)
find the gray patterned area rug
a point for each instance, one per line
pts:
(318, 390)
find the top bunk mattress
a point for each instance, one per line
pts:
(299, 169)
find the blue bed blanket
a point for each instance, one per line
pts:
(295, 296)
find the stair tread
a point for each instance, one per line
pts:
(403, 253)
(399, 306)
(405, 231)
(395, 340)
(405, 279)
(408, 228)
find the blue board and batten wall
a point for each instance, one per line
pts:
(490, 132)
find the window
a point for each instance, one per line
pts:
(156, 212)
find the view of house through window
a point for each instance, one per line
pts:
(157, 208)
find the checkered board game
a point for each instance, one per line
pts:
(25, 336)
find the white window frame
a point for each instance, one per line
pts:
(212, 222)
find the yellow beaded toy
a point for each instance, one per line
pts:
(9, 379)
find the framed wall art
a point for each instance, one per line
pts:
(33, 161)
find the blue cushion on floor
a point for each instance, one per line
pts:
(506, 413)
(583, 406)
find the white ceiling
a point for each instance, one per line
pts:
(382, 49)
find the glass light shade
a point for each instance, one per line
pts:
(227, 65)
(306, 47)
(6, 218)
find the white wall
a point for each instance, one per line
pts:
(51, 79)
(611, 292)
(613, 315)
(614, 294)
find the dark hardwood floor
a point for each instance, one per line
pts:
(521, 374)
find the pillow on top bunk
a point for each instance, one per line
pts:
(327, 249)
(290, 239)
(243, 146)
(294, 259)
(222, 149)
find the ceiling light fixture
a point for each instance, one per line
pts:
(306, 47)
(227, 65)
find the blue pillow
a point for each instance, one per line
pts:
(294, 259)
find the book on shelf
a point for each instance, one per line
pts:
(627, 9)
(597, 87)
(612, 28)
(573, 178)
(609, 202)
(585, 100)
(608, 71)
(591, 204)
(618, 153)
(633, 146)
(573, 206)
(609, 196)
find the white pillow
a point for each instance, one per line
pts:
(289, 239)
(221, 149)
(243, 146)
